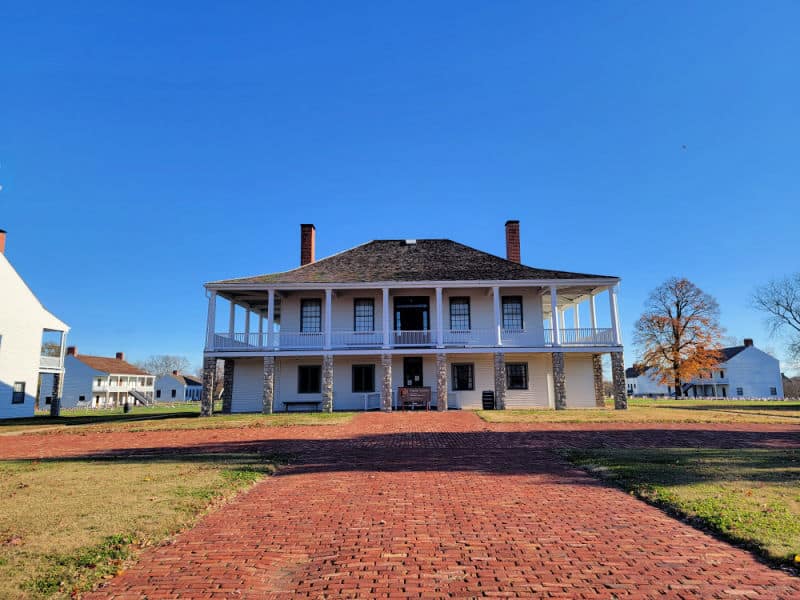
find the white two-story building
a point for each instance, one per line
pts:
(104, 382)
(178, 387)
(397, 323)
(744, 372)
(31, 344)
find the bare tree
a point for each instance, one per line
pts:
(679, 333)
(779, 300)
(791, 387)
(164, 364)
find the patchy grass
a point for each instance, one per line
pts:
(67, 524)
(660, 411)
(750, 497)
(162, 418)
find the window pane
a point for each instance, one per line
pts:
(517, 376)
(463, 377)
(363, 379)
(18, 394)
(512, 312)
(309, 379)
(311, 316)
(364, 310)
(459, 314)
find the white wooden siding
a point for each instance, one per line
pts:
(248, 385)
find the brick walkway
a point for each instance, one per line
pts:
(435, 505)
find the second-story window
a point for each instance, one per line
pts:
(363, 314)
(459, 314)
(722, 374)
(311, 316)
(512, 312)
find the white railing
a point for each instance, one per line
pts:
(413, 338)
(50, 362)
(584, 336)
(471, 338)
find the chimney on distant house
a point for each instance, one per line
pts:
(748, 342)
(512, 241)
(308, 234)
(175, 372)
(120, 356)
(72, 350)
(2, 241)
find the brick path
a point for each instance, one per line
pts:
(435, 505)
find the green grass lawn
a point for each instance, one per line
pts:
(644, 410)
(67, 524)
(748, 496)
(147, 418)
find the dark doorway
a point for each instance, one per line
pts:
(412, 371)
(411, 313)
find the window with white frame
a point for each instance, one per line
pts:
(739, 391)
(773, 391)
(512, 313)
(309, 379)
(517, 376)
(18, 395)
(363, 379)
(311, 316)
(459, 314)
(364, 314)
(463, 377)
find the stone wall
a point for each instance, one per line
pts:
(500, 381)
(55, 403)
(618, 376)
(207, 399)
(386, 383)
(441, 382)
(327, 383)
(597, 368)
(559, 381)
(227, 386)
(268, 400)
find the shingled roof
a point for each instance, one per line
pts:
(417, 260)
(110, 365)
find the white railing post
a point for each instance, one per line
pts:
(385, 307)
(270, 317)
(612, 303)
(498, 321)
(439, 319)
(328, 313)
(554, 316)
(247, 325)
(592, 311)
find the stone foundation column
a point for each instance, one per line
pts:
(207, 399)
(599, 392)
(500, 381)
(559, 381)
(618, 375)
(227, 386)
(268, 400)
(386, 383)
(441, 382)
(55, 403)
(327, 383)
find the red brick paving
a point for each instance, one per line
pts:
(435, 505)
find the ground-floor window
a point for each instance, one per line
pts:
(463, 377)
(158, 393)
(363, 379)
(739, 392)
(309, 379)
(18, 395)
(773, 391)
(517, 376)
(174, 392)
(48, 399)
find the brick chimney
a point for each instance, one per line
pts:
(308, 235)
(72, 350)
(175, 372)
(512, 241)
(120, 356)
(2, 241)
(748, 342)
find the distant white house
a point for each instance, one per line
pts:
(178, 387)
(103, 382)
(31, 343)
(745, 372)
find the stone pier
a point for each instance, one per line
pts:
(597, 370)
(268, 399)
(327, 383)
(441, 382)
(386, 382)
(207, 399)
(227, 386)
(559, 381)
(618, 376)
(500, 381)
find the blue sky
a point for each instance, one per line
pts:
(144, 152)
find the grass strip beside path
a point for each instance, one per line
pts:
(661, 411)
(750, 497)
(67, 524)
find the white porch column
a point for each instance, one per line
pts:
(612, 302)
(247, 324)
(386, 319)
(498, 320)
(328, 313)
(260, 330)
(554, 316)
(270, 316)
(576, 316)
(562, 318)
(210, 319)
(232, 318)
(592, 311)
(439, 319)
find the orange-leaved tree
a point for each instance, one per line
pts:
(679, 334)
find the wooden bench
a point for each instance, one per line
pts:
(289, 403)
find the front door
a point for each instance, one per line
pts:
(412, 371)
(412, 320)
